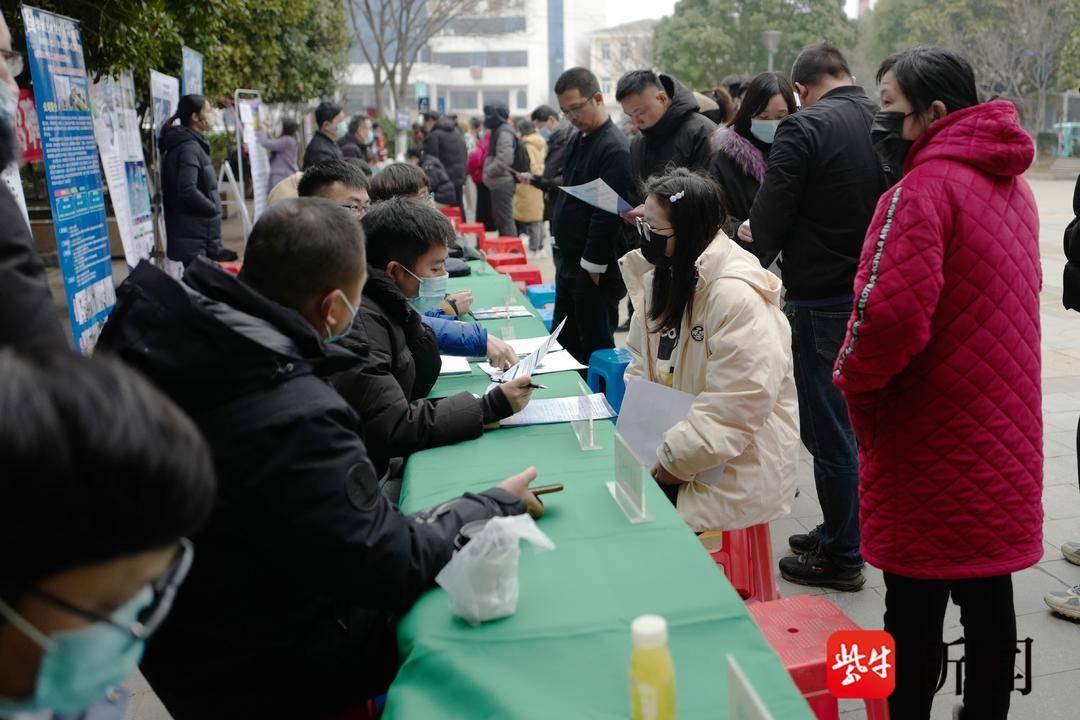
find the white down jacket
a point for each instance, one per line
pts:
(734, 353)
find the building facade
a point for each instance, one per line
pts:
(615, 51)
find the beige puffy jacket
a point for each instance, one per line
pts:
(529, 200)
(734, 353)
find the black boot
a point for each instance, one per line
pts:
(222, 255)
(816, 569)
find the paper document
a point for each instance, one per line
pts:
(560, 410)
(648, 411)
(553, 362)
(528, 364)
(527, 346)
(453, 365)
(500, 312)
(600, 195)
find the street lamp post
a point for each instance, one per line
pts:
(771, 38)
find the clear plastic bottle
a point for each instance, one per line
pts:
(652, 672)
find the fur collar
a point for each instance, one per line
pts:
(750, 160)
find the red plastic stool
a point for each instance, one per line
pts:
(476, 229)
(528, 274)
(746, 557)
(498, 259)
(232, 266)
(798, 628)
(451, 212)
(502, 245)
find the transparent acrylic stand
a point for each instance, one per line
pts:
(628, 487)
(585, 432)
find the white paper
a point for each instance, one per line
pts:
(600, 195)
(553, 362)
(501, 312)
(528, 364)
(527, 346)
(744, 703)
(250, 110)
(561, 410)
(648, 411)
(454, 365)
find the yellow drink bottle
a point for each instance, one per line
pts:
(652, 673)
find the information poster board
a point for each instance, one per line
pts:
(250, 107)
(191, 80)
(116, 126)
(62, 94)
(164, 98)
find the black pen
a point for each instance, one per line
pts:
(534, 386)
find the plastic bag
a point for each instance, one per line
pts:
(482, 578)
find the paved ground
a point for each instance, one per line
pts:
(1056, 647)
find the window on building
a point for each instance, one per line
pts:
(522, 100)
(464, 100)
(493, 58)
(605, 87)
(473, 25)
(605, 50)
(493, 96)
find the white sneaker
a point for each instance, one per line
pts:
(1066, 602)
(1071, 551)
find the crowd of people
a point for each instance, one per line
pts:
(244, 435)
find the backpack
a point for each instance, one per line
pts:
(521, 155)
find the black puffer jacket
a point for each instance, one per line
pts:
(189, 189)
(438, 181)
(447, 142)
(392, 343)
(1071, 287)
(303, 559)
(320, 149)
(681, 138)
(739, 167)
(554, 165)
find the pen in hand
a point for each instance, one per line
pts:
(534, 386)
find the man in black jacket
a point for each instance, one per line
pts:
(323, 146)
(287, 610)
(557, 136)
(672, 129)
(586, 241)
(28, 321)
(359, 140)
(814, 207)
(446, 142)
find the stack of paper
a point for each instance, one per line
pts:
(560, 410)
(560, 361)
(527, 346)
(527, 365)
(500, 312)
(453, 365)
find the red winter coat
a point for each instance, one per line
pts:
(941, 365)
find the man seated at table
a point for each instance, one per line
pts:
(288, 611)
(339, 182)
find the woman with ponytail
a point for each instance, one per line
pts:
(709, 323)
(189, 185)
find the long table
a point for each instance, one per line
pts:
(565, 652)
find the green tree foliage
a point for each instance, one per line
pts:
(290, 50)
(704, 40)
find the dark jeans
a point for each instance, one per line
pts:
(816, 336)
(591, 310)
(914, 614)
(502, 211)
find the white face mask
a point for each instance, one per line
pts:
(330, 336)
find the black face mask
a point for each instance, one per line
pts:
(890, 146)
(653, 245)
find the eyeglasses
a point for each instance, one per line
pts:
(572, 111)
(150, 619)
(357, 210)
(14, 61)
(645, 231)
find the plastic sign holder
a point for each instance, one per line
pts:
(628, 487)
(744, 703)
(585, 432)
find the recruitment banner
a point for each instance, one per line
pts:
(164, 97)
(191, 79)
(26, 127)
(61, 92)
(249, 110)
(116, 126)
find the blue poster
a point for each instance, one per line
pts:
(61, 92)
(191, 78)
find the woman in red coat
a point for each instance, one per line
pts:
(941, 372)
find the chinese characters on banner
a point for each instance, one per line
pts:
(249, 108)
(117, 128)
(61, 92)
(860, 664)
(191, 80)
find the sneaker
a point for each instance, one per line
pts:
(817, 570)
(805, 543)
(1065, 603)
(223, 255)
(1071, 551)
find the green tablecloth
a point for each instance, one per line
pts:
(566, 652)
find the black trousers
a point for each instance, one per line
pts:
(591, 310)
(914, 615)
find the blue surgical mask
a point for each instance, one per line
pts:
(79, 667)
(432, 291)
(545, 133)
(330, 336)
(764, 130)
(343, 128)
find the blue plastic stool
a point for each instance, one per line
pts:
(547, 315)
(606, 369)
(540, 295)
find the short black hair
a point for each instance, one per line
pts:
(289, 127)
(403, 230)
(543, 113)
(735, 84)
(326, 112)
(757, 96)
(324, 174)
(302, 248)
(818, 60)
(356, 122)
(395, 180)
(98, 465)
(636, 81)
(525, 127)
(579, 78)
(414, 152)
(925, 74)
